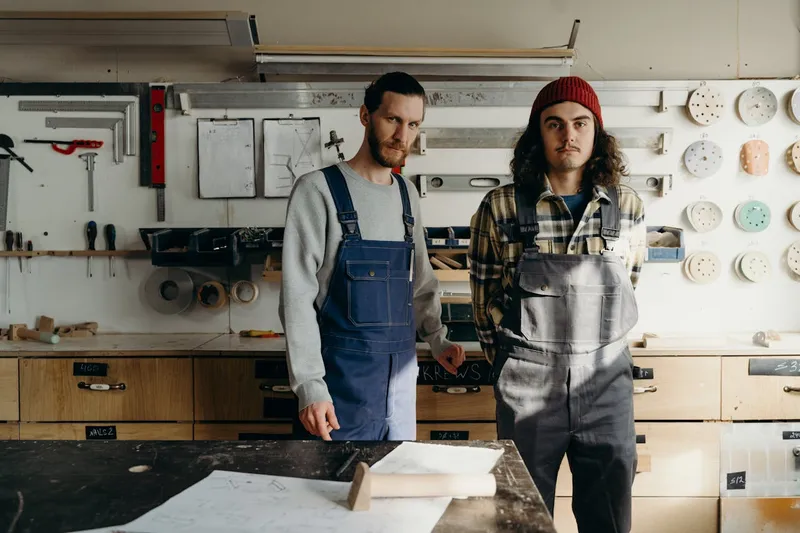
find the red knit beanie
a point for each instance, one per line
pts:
(568, 89)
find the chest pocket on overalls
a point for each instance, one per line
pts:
(544, 313)
(368, 292)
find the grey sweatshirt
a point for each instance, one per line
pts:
(311, 241)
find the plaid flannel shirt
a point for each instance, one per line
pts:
(493, 258)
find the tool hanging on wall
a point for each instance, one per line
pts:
(89, 158)
(244, 292)
(91, 235)
(335, 141)
(18, 242)
(169, 290)
(71, 146)
(114, 124)
(212, 295)
(9, 248)
(7, 143)
(157, 149)
(111, 237)
(29, 248)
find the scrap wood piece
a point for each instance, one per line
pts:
(448, 261)
(46, 324)
(435, 262)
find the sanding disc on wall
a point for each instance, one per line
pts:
(794, 106)
(753, 216)
(754, 157)
(753, 266)
(706, 105)
(793, 258)
(703, 158)
(757, 106)
(169, 290)
(703, 267)
(794, 216)
(704, 216)
(793, 157)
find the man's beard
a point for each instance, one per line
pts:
(390, 160)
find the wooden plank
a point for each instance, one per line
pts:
(9, 389)
(126, 15)
(412, 52)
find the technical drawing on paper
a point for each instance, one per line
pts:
(292, 147)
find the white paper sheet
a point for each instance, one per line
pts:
(237, 502)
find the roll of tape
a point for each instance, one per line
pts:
(212, 295)
(244, 292)
(169, 290)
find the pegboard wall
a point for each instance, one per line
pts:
(702, 294)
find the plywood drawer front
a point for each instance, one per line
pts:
(457, 431)
(242, 389)
(675, 459)
(9, 389)
(761, 388)
(105, 431)
(656, 515)
(762, 515)
(677, 388)
(455, 402)
(155, 389)
(9, 431)
(242, 431)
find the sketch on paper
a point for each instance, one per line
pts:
(292, 147)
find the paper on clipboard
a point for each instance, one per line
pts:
(292, 147)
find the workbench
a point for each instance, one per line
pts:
(60, 486)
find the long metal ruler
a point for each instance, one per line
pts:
(5, 172)
(126, 107)
(428, 183)
(114, 124)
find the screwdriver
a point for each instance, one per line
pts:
(91, 233)
(30, 249)
(111, 236)
(9, 247)
(19, 249)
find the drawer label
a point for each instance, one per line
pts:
(737, 480)
(641, 439)
(791, 435)
(774, 367)
(90, 369)
(643, 373)
(101, 432)
(449, 435)
(469, 373)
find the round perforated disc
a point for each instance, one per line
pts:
(703, 158)
(794, 106)
(706, 105)
(793, 157)
(794, 216)
(754, 266)
(793, 258)
(754, 157)
(753, 216)
(757, 106)
(703, 267)
(704, 216)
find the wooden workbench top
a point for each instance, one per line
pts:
(215, 344)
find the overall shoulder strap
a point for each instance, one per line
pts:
(527, 225)
(610, 218)
(345, 212)
(408, 219)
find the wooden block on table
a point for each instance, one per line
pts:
(46, 324)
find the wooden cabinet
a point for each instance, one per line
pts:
(762, 515)
(761, 388)
(101, 431)
(455, 402)
(9, 389)
(9, 431)
(242, 389)
(131, 389)
(456, 431)
(242, 431)
(677, 388)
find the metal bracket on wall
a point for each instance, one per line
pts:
(127, 108)
(114, 124)
(660, 184)
(459, 183)
(5, 176)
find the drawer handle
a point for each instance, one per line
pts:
(642, 390)
(100, 386)
(469, 389)
(787, 388)
(275, 388)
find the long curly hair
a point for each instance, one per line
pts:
(605, 167)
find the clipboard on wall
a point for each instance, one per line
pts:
(226, 163)
(292, 147)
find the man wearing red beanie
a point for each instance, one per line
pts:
(555, 257)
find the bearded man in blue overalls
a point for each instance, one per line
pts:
(357, 284)
(555, 257)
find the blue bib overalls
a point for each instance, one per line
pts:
(367, 327)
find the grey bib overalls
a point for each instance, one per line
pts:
(563, 371)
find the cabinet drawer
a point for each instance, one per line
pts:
(9, 431)
(457, 431)
(105, 431)
(242, 389)
(675, 459)
(242, 431)
(155, 388)
(656, 515)
(677, 388)
(9, 389)
(764, 515)
(455, 402)
(760, 388)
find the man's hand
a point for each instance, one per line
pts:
(452, 358)
(319, 419)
